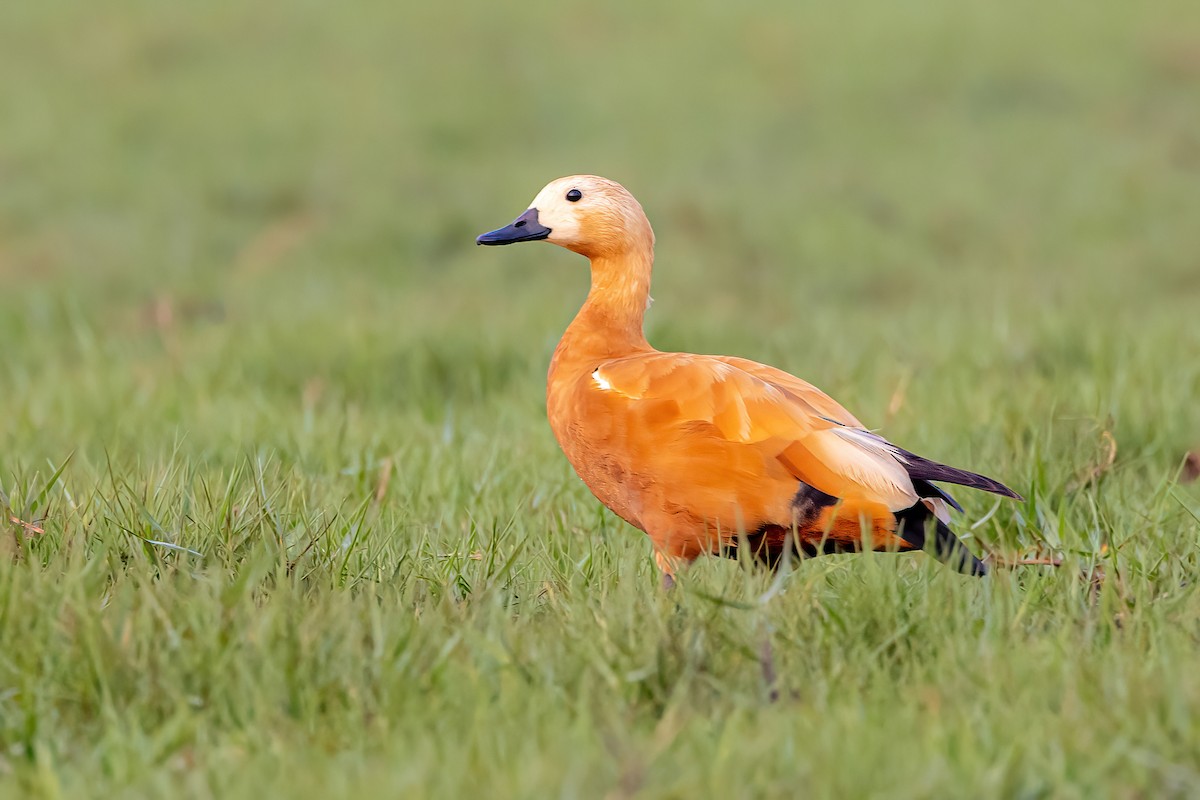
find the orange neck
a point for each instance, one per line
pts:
(610, 323)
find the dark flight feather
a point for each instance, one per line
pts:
(922, 469)
(946, 547)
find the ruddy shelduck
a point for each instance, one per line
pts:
(709, 454)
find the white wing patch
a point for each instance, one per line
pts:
(869, 441)
(600, 381)
(869, 460)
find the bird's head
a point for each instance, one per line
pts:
(592, 216)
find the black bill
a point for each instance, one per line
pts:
(524, 228)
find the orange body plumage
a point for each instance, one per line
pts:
(708, 453)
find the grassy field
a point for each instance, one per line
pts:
(282, 516)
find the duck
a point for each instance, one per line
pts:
(711, 454)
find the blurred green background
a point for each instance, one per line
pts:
(249, 196)
(238, 277)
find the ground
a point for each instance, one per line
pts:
(283, 516)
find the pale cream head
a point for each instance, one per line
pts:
(588, 214)
(605, 220)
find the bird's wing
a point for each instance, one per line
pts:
(823, 403)
(696, 399)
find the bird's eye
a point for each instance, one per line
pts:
(574, 195)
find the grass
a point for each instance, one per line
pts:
(290, 521)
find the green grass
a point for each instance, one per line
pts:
(306, 531)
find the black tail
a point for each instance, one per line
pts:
(923, 469)
(946, 547)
